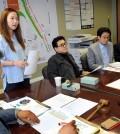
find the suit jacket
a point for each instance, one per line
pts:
(95, 57)
(6, 116)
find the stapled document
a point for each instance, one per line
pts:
(27, 103)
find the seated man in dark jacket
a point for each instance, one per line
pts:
(62, 63)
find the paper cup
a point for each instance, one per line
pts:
(58, 81)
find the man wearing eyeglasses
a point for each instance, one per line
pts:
(62, 63)
(101, 52)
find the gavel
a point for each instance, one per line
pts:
(102, 103)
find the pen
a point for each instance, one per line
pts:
(64, 123)
(115, 126)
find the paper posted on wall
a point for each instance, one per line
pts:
(32, 63)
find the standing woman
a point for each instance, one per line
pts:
(13, 47)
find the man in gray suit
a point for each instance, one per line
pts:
(101, 52)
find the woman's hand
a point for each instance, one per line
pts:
(20, 63)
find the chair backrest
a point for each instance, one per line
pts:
(116, 48)
(84, 62)
(44, 72)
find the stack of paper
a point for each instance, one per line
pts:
(115, 64)
(115, 67)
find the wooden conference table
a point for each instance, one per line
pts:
(105, 77)
(43, 90)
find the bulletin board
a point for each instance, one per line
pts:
(79, 14)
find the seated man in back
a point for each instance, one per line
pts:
(62, 63)
(101, 52)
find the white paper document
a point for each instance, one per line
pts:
(32, 63)
(84, 128)
(96, 69)
(115, 84)
(115, 67)
(59, 100)
(115, 64)
(79, 106)
(49, 121)
(5, 105)
(27, 103)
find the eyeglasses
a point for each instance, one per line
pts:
(105, 37)
(62, 45)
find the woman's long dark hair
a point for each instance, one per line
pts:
(4, 31)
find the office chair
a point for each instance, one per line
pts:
(84, 62)
(116, 48)
(44, 72)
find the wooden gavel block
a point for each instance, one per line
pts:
(104, 110)
(101, 104)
